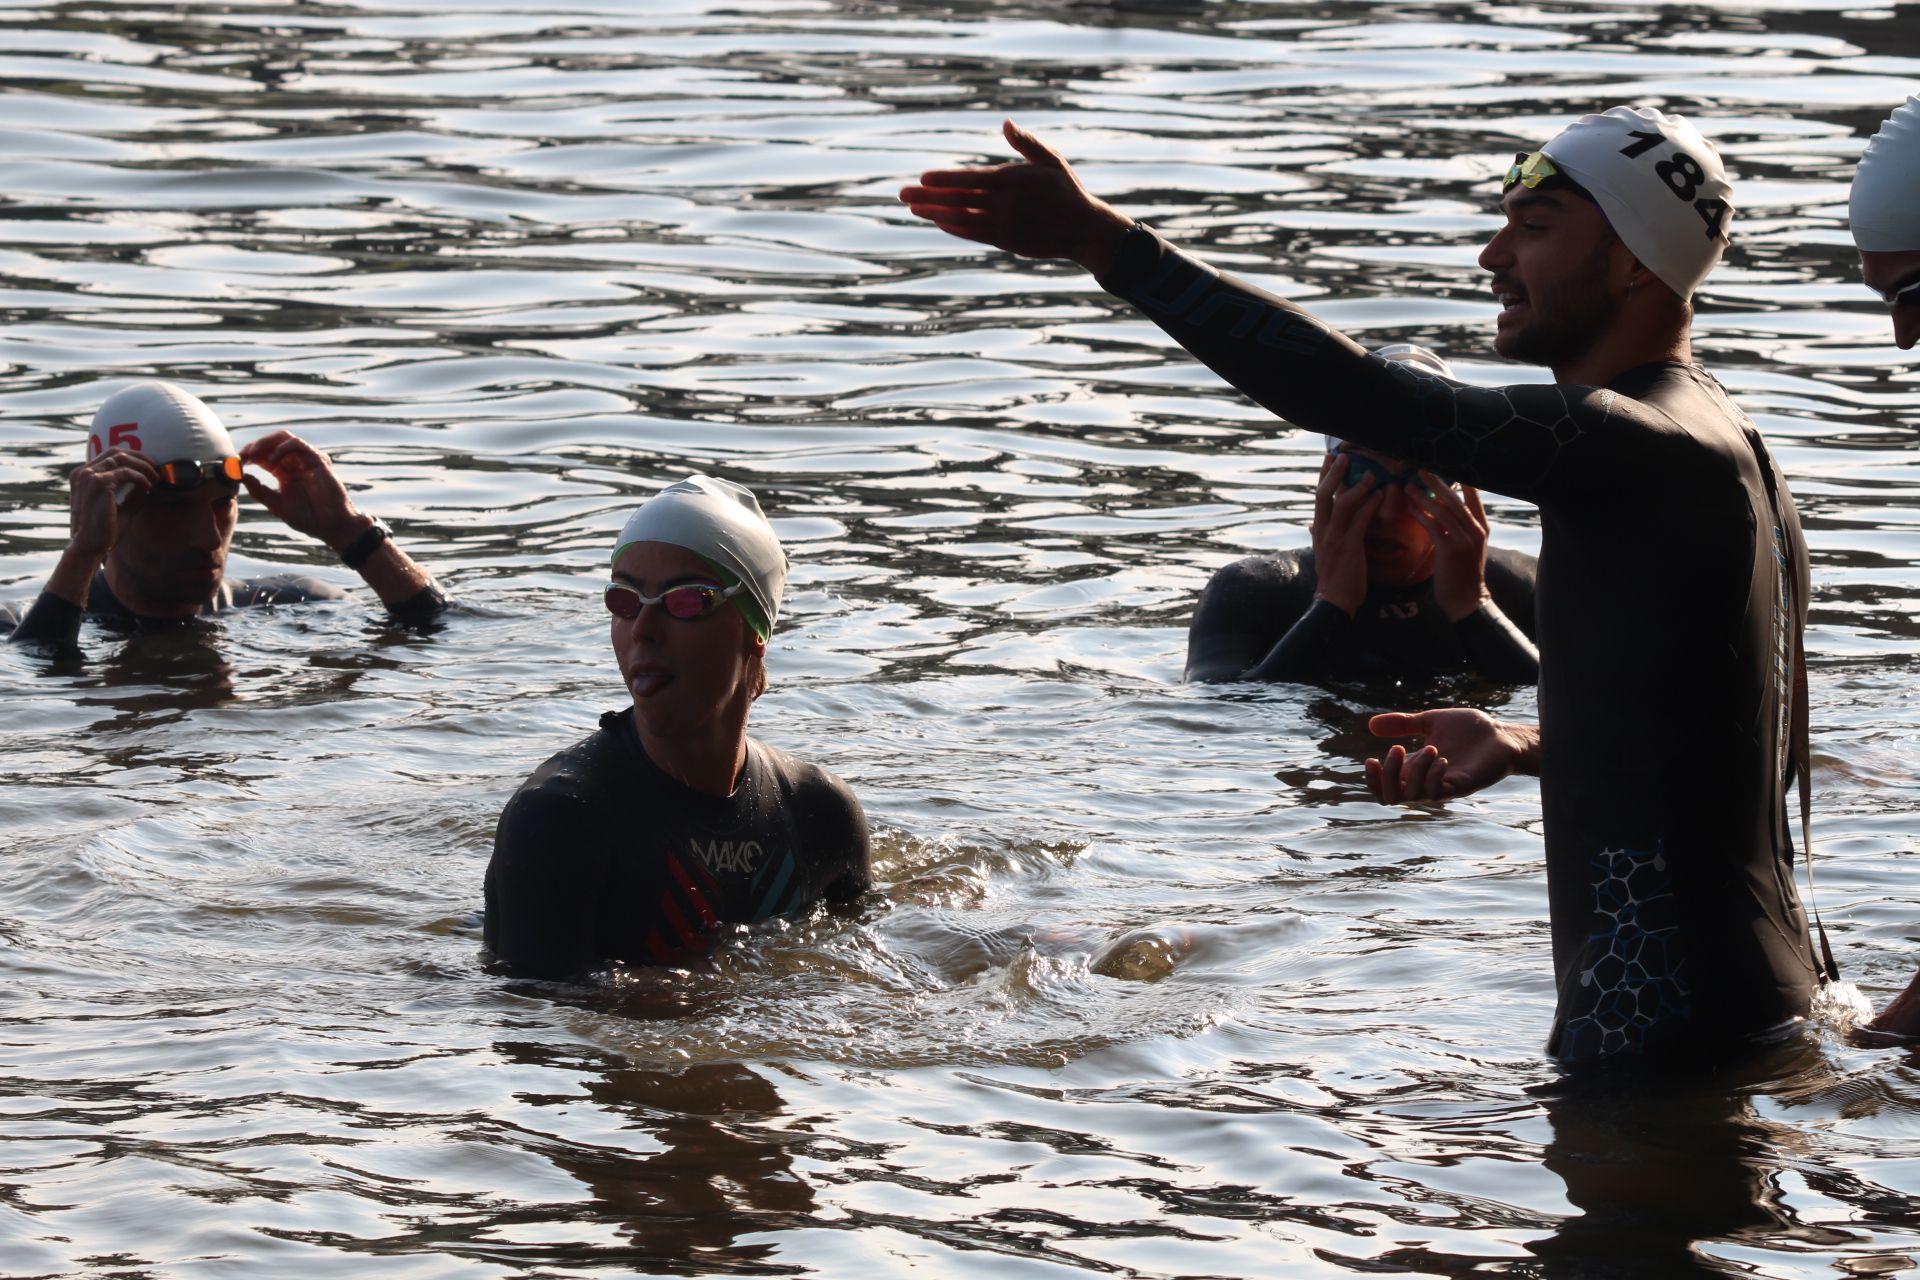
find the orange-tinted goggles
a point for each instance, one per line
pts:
(187, 474)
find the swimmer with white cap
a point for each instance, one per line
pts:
(152, 515)
(643, 843)
(1885, 212)
(1672, 580)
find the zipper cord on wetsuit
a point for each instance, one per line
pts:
(1802, 713)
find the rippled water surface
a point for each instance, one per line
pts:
(1151, 989)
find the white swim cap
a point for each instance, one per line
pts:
(1405, 353)
(1416, 355)
(721, 522)
(1885, 208)
(160, 421)
(1661, 185)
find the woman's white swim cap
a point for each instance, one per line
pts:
(1661, 185)
(721, 522)
(161, 422)
(1885, 206)
(1405, 353)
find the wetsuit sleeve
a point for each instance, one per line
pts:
(544, 888)
(1244, 605)
(838, 842)
(1499, 649)
(283, 588)
(52, 621)
(423, 606)
(420, 608)
(1524, 441)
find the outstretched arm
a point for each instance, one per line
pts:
(1465, 750)
(312, 501)
(1037, 208)
(1519, 440)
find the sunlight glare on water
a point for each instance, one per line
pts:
(1151, 988)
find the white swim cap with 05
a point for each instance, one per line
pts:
(161, 422)
(1885, 206)
(721, 522)
(1661, 185)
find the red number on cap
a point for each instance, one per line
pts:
(124, 433)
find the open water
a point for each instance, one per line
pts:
(516, 264)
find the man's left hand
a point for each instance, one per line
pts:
(310, 498)
(1457, 523)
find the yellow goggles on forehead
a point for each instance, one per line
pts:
(1528, 171)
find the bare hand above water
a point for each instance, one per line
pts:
(1341, 514)
(1457, 523)
(1034, 207)
(100, 495)
(310, 498)
(1465, 750)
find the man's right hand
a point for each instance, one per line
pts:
(1340, 518)
(95, 492)
(1465, 750)
(100, 495)
(1036, 208)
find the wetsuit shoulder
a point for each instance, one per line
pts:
(552, 860)
(1244, 610)
(282, 588)
(827, 818)
(1510, 581)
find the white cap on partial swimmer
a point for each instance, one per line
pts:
(721, 522)
(161, 422)
(1661, 185)
(1405, 353)
(1885, 205)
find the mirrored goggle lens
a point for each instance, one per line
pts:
(685, 603)
(1359, 465)
(188, 474)
(1528, 171)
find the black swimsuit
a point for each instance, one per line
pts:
(1667, 700)
(599, 856)
(1258, 620)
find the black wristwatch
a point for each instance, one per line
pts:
(361, 549)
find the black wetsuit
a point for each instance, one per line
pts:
(599, 856)
(1672, 596)
(1258, 620)
(55, 621)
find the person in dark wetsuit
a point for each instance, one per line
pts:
(1672, 720)
(1399, 582)
(152, 516)
(668, 823)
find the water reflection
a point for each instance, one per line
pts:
(717, 1170)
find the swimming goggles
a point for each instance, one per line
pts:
(1528, 171)
(1359, 466)
(188, 473)
(686, 602)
